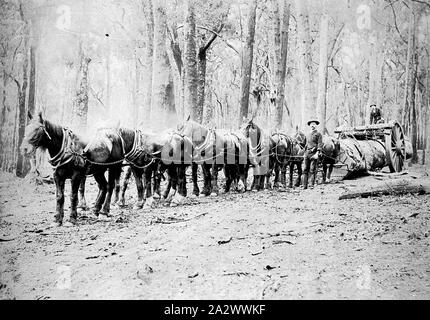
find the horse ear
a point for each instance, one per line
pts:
(41, 120)
(189, 117)
(29, 115)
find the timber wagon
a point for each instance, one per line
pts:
(377, 145)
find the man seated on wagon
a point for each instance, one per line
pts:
(375, 114)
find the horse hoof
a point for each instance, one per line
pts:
(137, 206)
(83, 207)
(214, 194)
(203, 195)
(70, 223)
(55, 224)
(177, 200)
(104, 212)
(156, 196)
(103, 217)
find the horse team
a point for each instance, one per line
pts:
(149, 156)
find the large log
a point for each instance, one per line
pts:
(396, 187)
(360, 156)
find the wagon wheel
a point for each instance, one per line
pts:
(395, 147)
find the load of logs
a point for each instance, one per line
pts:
(372, 147)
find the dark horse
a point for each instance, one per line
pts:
(63, 146)
(214, 150)
(328, 156)
(281, 152)
(267, 153)
(145, 191)
(153, 154)
(296, 159)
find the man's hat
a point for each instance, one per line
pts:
(372, 105)
(310, 121)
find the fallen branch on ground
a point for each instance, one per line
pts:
(388, 188)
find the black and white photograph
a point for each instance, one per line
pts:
(243, 150)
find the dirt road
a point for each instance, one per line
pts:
(270, 245)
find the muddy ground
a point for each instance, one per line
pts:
(267, 245)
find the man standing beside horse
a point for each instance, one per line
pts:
(313, 148)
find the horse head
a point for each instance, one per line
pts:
(300, 138)
(193, 130)
(35, 136)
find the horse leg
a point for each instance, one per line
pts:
(168, 187)
(291, 173)
(330, 171)
(228, 177)
(182, 180)
(173, 183)
(276, 180)
(59, 184)
(181, 186)
(102, 183)
(299, 173)
(117, 189)
(284, 175)
(149, 199)
(157, 180)
(75, 182)
(324, 173)
(194, 168)
(255, 183)
(121, 202)
(114, 172)
(266, 177)
(215, 189)
(82, 202)
(137, 173)
(206, 168)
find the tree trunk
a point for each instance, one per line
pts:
(136, 91)
(161, 79)
(282, 67)
(32, 82)
(307, 93)
(149, 15)
(191, 77)
(413, 107)
(208, 109)
(21, 168)
(322, 72)
(403, 110)
(247, 62)
(80, 103)
(108, 79)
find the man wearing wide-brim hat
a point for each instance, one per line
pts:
(313, 148)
